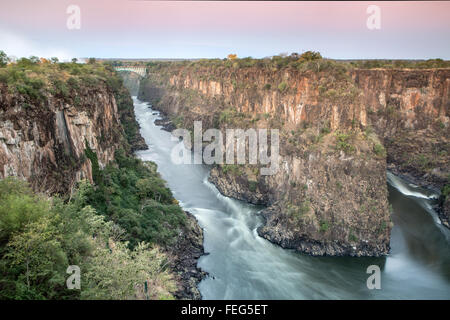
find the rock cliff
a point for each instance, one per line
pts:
(410, 112)
(47, 145)
(329, 196)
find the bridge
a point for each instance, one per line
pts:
(142, 71)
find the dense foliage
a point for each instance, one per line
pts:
(36, 78)
(131, 193)
(40, 237)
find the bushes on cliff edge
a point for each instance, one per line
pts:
(35, 79)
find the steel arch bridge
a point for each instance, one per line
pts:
(142, 71)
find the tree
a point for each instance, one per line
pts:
(92, 61)
(74, 60)
(117, 272)
(34, 59)
(18, 207)
(54, 59)
(38, 252)
(310, 56)
(3, 58)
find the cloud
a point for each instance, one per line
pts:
(17, 45)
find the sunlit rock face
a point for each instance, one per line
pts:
(46, 144)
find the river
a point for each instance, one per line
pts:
(242, 265)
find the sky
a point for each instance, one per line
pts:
(208, 29)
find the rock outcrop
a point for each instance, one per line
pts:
(329, 196)
(47, 145)
(185, 254)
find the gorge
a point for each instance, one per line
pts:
(363, 177)
(400, 109)
(242, 265)
(340, 129)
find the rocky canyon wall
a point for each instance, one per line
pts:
(45, 144)
(330, 195)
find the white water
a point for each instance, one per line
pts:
(242, 265)
(407, 190)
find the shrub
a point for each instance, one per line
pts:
(342, 143)
(352, 237)
(231, 168)
(325, 130)
(252, 185)
(282, 86)
(324, 226)
(72, 82)
(60, 89)
(446, 191)
(130, 193)
(296, 212)
(379, 150)
(92, 156)
(40, 237)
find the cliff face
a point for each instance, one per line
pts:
(410, 112)
(340, 131)
(47, 145)
(329, 195)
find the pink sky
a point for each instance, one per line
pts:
(208, 29)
